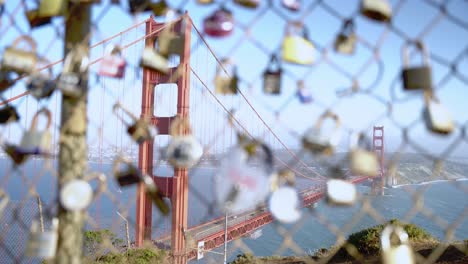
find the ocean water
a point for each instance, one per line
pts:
(442, 207)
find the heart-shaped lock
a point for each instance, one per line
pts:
(152, 60)
(139, 130)
(8, 114)
(284, 205)
(4, 199)
(436, 117)
(184, 150)
(272, 77)
(340, 192)
(51, 8)
(77, 194)
(42, 244)
(296, 46)
(395, 246)
(303, 93)
(293, 5)
(113, 63)
(71, 82)
(20, 60)
(128, 174)
(34, 141)
(226, 83)
(219, 24)
(317, 142)
(345, 42)
(377, 10)
(416, 77)
(248, 3)
(41, 85)
(170, 41)
(362, 161)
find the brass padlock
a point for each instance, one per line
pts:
(184, 150)
(170, 42)
(416, 77)
(248, 3)
(42, 244)
(272, 77)
(128, 174)
(362, 160)
(8, 114)
(34, 141)
(20, 60)
(41, 85)
(226, 83)
(139, 130)
(317, 142)
(4, 199)
(394, 244)
(296, 47)
(345, 42)
(436, 117)
(77, 194)
(71, 81)
(340, 192)
(51, 8)
(151, 59)
(35, 20)
(377, 10)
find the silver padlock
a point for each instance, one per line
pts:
(41, 85)
(42, 244)
(184, 150)
(226, 83)
(71, 81)
(152, 60)
(340, 192)
(4, 199)
(20, 60)
(272, 77)
(416, 77)
(139, 129)
(436, 117)
(319, 143)
(77, 194)
(362, 160)
(395, 246)
(345, 42)
(377, 10)
(34, 141)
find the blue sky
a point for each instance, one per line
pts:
(445, 40)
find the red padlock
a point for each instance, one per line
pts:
(219, 24)
(112, 64)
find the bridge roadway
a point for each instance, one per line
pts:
(212, 232)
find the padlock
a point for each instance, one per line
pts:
(272, 77)
(153, 60)
(4, 199)
(377, 10)
(205, 2)
(71, 81)
(416, 77)
(139, 130)
(362, 161)
(35, 20)
(248, 3)
(257, 152)
(394, 244)
(41, 85)
(8, 114)
(317, 142)
(293, 5)
(170, 42)
(282, 177)
(436, 117)
(303, 93)
(6, 81)
(113, 63)
(184, 150)
(226, 83)
(15, 154)
(297, 48)
(284, 205)
(219, 24)
(42, 244)
(160, 8)
(345, 42)
(20, 60)
(340, 192)
(35, 142)
(51, 8)
(77, 194)
(137, 6)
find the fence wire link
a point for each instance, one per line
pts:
(369, 86)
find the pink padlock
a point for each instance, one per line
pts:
(293, 5)
(112, 64)
(219, 24)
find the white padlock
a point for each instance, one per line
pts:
(340, 192)
(395, 252)
(284, 205)
(42, 244)
(76, 195)
(36, 141)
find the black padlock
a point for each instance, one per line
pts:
(272, 77)
(6, 81)
(8, 114)
(137, 6)
(416, 77)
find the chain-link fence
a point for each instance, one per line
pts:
(264, 70)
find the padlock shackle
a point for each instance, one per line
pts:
(117, 106)
(299, 25)
(27, 39)
(385, 237)
(35, 118)
(358, 140)
(226, 62)
(113, 49)
(419, 46)
(77, 53)
(348, 27)
(325, 115)
(180, 126)
(274, 61)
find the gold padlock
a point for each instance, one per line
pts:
(170, 42)
(345, 42)
(20, 60)
(139, 129)
(153, 60)
(363, 161)
(248, 3)
(35, 20)
(377, 10)
(297, 48)
(416, 77)
(436, 117)
(51, 8)
(160, 8)
(395, 246)
(34, 141)
(318, 143)
(226, 83)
